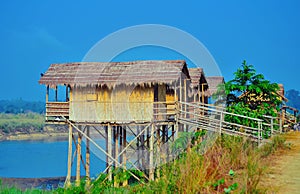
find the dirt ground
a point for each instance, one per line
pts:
(284, 172)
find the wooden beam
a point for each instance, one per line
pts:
(87, 157)
(67, 93)
(158, 154)
(116, 138)
(202, 91)
(56, 96)
(109, 150)
(125, 183)
(47, 94)
(78, 147)
(151, 162)
(68, 179)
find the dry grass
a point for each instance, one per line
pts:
(209, 173)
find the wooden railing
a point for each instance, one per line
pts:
(55, 110)
(212, 119)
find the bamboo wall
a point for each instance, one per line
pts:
(119, 105)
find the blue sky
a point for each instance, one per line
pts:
(35, 34)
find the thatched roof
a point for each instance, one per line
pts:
(196, 75)
(115, 73)
(198, 78)
(213, 83)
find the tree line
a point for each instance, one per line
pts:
(18, 106)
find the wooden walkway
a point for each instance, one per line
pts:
(212, 118)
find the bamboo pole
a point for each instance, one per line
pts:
(67, 93)
(202, 89)
(151, 142)
(78, 147)
(158, 144)
(125, 183)
(116, 137)
(87, 157)
(47, 94)
(185, 106)
(109, 149)
(56, 96)
(68, 179)
(138, 146)
(143, 147)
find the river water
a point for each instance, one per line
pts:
(38, 159)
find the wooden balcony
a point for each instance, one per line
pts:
(55, 111)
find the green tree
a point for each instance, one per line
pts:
(250, 94)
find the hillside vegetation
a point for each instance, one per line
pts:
(23, 123)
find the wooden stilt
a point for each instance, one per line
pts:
(138, 147)
(202, 92)
(68, 179)
(158, 154)
(67, 93)
(87, 157)
(47, 94)
(151, 162)
(78, 147)
(106, 144)
(56, 96)
(109, 150)
(143, 148)
(125, 183)
(116, 136)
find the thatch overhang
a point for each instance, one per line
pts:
(111, 74)
(213, 82)
(197, 80)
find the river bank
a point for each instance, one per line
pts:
(35, 136)
(34, 183)
(48, 131)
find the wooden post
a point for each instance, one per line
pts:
(109, 150)
(158, 144)
(47, 94)
(68, 179)
(202, 89)
(185, 106)
(47, 99)
(56, 98)
(176, 120)
(116, 145)
(138, 147)
(151, 150)
(125, 183)
(78, 147)
(272, 128)
(283, 118)
(67, 93)
(143, 147)
(87, 157)
(185, 98)
(221, 122)
(116, 136)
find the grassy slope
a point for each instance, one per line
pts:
(232, 163)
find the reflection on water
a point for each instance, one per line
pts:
(43, 158)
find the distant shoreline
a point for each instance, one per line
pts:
(35, 136)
